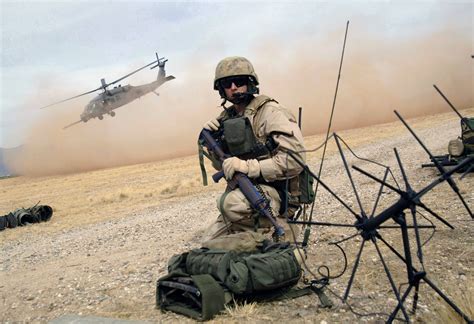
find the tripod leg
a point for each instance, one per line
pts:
(430, 283)
(435, 215)
(380, 193)
(354, 269)
(415, 297)
(392, 283)
(447, 300)
(467, 171)
(349, 175)
(419, 252)
(400, 304)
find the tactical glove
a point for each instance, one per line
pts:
(211, 125)
(234, 164)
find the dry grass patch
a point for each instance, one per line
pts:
(241, 311)
(464, 300)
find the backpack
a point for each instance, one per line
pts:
(200, 282)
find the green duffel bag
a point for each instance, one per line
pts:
(227, 267)
(247, 273)
(200, 282)
(272, 270)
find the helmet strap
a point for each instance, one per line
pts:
(252, 88)
(224, 101)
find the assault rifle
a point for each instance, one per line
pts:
(242, 181)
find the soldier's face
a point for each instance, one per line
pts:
(229, 92)
(234, 85)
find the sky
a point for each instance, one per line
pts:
(51, 51)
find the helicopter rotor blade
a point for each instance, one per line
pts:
(131, 73)
(80, 95)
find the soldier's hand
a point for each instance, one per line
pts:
(211, 125)
(234, 164)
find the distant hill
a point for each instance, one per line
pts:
(3, 153)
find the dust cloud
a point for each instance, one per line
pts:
(377, 77)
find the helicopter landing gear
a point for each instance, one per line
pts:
(112, 113)
(101, 117)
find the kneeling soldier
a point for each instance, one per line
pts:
(256, 131)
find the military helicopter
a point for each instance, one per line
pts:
(110, 99)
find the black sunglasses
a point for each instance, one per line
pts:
(237, 80)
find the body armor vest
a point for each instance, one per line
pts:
(240, 141)
(237, 137)
(238, 134)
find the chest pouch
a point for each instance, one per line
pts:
(306, 182)
(239, 136)
(241, 141)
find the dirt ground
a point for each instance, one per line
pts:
(113, 231)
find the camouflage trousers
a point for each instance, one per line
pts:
(237, 216)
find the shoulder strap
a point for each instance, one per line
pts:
(258, 103)
(202, 153)
(212, 295)
(295, 292)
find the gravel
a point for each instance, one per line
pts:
(110, 268)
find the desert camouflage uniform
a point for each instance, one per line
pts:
(268, 118)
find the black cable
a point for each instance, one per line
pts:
(351, 151)
(371, 161)
(351, 308)
(345, 264)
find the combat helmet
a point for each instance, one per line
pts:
(235, 66)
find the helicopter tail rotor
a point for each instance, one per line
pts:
(160, 62)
